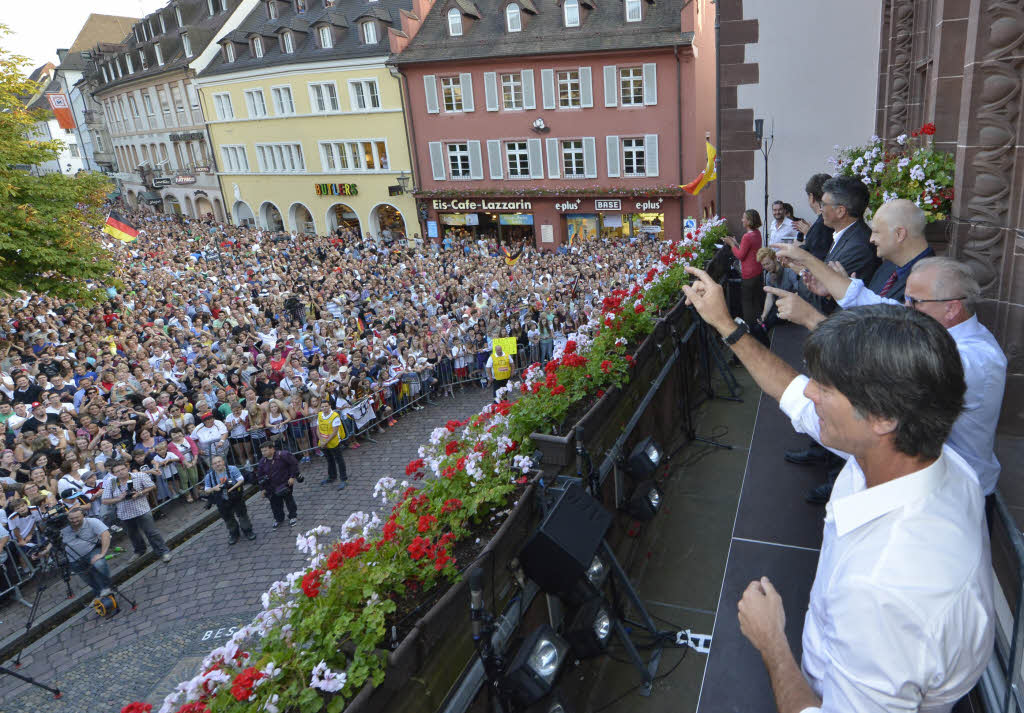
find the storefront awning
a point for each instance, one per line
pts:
(113, 195)
(151, 197)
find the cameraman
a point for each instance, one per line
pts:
(223, 485)
(128, 492)
(86, 541)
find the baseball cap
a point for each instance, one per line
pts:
(208, 414)
(68, 493)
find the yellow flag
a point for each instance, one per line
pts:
(507, 344)
(706, 176)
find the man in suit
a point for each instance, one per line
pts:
(817, 236)
(898, 236)
(843, 202)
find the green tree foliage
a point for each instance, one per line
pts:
(47, 244)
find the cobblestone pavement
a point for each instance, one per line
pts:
(188, 606)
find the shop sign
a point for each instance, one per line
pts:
(187, 136)
(516, 219)
(431, 228)
(202, 169)
(564, 206)
(161, 182)
(650, 205)
(608, 204)
(184, 179)
(336, 189)
(460, 219)
(481, 204)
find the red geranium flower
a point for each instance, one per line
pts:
(551, 380)
(460, 464)
(524, 388)
(452, 447)
(244, 682)
(536, 386)
(600, 393)
(137, 707)
(197, 707)
(605, 366)
(414, 465)
(570, 347)
(311, 583)
(449, 472)
(639, 309)
(419, 548)
(928, 129)
(452, 426)
(451, 505)
(558, 390)
(425, 522)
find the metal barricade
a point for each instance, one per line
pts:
(13, 576)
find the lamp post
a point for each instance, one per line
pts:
(766, 143)
(405, 181)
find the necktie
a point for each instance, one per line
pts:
(888, 285)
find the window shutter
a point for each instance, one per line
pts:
(651, 154)
(494, 158)
(466, 80)
(589, 157)
(650, 83)
(554, 160)
(547, 87)
(437, 160)
(611, 88)
(430, 89)
(476, 164)
(529, 94)
(586, 88)
(612, 148)
(491, 91)
(536, 159)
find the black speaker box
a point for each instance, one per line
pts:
(559, 553)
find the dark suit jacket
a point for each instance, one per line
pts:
(818, 239)
(886, 269)
(855, 253)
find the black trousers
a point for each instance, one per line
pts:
(752, 299)
(497, 384)
(335, 463)
(279, 502)
(235, 515)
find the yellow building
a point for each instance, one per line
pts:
(306, 120)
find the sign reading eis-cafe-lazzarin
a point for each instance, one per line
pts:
(336, 189)
(482, 204)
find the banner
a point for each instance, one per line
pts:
(706, 176)
(515, 219)
(581, 227)
(61, 110)
(507, 344)
(119, 228)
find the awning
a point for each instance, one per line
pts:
(113, 195)
(151, 197)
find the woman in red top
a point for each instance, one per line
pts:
(751, 292)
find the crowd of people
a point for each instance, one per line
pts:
(217, 346)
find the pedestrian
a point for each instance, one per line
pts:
(277, 473)
(330, 433)
(128, 492)
(224, 484)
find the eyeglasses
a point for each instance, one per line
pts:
(913, 301)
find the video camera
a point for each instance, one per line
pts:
(54, 520)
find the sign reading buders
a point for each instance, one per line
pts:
(336, 189)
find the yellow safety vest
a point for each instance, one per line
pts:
(323, 424)
(501, 366)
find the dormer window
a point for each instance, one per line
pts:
(142, 60)
(300, 6)
(229, 52)
(159, 54)
(139, 37)
(186, 43)
(633, 11)
(106, 78)
(454, 23)
(513, 18)
(178, 18)
(369, 33)
(571, 11)
(163, 23)
(257, 46)
(128, 62)
(211, 8)
(326, 40)
(152, 32)
(272, 11)
(288, 42)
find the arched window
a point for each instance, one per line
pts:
(454, 23)
(512, 18)
(571, 8)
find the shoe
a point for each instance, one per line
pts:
(318, 451)
(166, 557)
(116, 528)
(342, 485)
(233, 539)
(306, 459)
(250, 535)
(325, 481)
(105, 591)
(291, 522)
(355, 444)
(276, 525)
(392, 422)
(807, 456)
(819, 495)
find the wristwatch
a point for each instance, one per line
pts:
(737, 334)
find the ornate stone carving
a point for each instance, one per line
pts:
(901, 66)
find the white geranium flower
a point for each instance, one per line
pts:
(917, 173)
(327, 680)
(901, 139)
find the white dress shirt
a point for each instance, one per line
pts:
(974, 433)
(901, 611)
(778, 233)
(835, 241)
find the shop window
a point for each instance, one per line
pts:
(572, 159)
(569, 90)
(631, 86)
(458, 160)
(451, 93)
(512, 90)
(633, 157)
(518, 159)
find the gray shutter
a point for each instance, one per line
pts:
(430, 89)
(437, 160)
(547, 87)
(611, 144)
(651, 154)
(529, 94)
(466, 80)
(476, 164)
(491, 91)
(611, 88)
(554, 160)
(650, 83)
(536, 159)
(586, 88)
(494, 158)
(589, 157)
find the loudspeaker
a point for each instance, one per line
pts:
(560, 552)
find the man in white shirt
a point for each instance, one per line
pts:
(901, 612)
(781, 230)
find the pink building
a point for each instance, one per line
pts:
(558, 120)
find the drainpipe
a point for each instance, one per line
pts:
(718, 108)
(679, 128)
(410, 133)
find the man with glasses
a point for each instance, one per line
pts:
(946, 291)
(843, 203)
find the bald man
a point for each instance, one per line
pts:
(897, 232)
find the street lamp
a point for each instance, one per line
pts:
(766, 143)
(405, 181)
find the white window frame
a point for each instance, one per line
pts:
(210, 7)
(370, 36)
(222, 105)
(635, 83)
(572, 158)
(313, 103)
(454, 23)
(234, 158)
(255, 103)
(257, 46)
(634, 151)
(159, 54)
(517, 159)
(459, 152)
(364, 95)
(280, 157)
(300, 7)
(571, 19)
(452, 87)
(229, 52)
(106, 78)
(513, 18)
(147, 104)
(128, 62)
(349, 156)
(511, 88)
(568, 79)
(133, 106)
(186, 43)
(272, 12)
(288, 42)
(223, 5)
(277, 93)
(178, 18)
(326, 37)
(634, 11)
(163, 24)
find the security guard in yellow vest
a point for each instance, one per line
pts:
(499, 366)
(331, 432)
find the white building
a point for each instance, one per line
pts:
(69, 160)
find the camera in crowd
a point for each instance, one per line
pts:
(54, 520)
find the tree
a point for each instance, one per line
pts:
(48, 242)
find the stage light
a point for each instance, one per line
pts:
(645, 458)
(536, 665)
(597, 572)
(590, 630)
(554, 702)
(646, 500)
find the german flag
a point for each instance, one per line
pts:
(510, 258)
(706, 176)
(119, 228)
